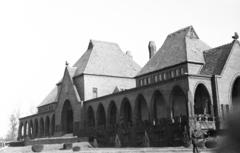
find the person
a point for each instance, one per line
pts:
(194, 141)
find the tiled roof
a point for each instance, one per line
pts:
(215, 59)
(181, 46)
(51, 97)
(106, 58)
(101, 58)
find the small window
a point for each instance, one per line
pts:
(156, 78)
(164, 76)
(223, 112)
(145, 81)
(172, 74)
(149, 80)
(182, 70)
(177, 72)
(141, 82)
(160, 77)
(95, 93)
(227, 109)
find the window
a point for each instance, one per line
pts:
(145, 81)
(182, 70)
(160, 77)
(172, 74)
(164, 76)
(177, 72)
(227, 109)
(156, 78)
(223, 112)
(95, 93)
(141, 82)
(149, 80)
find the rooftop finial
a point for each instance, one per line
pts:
(66, 63)
(235, 37)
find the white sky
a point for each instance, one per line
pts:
(37, 37)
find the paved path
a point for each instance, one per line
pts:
(55, 148)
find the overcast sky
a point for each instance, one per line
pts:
(37, 37)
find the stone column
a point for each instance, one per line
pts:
(191, 118)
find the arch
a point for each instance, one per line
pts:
(36, 128)
(90, 117)
(141, 109)
(41, 134)
(159, 106)
(53, 125)
(101, 116)
(112, 113)
(179, 102)
(67, 117)
(235, 94)
(47, 126)
(202, 100)
(21, 130)
(26, 128)
(126, 111)
(30, 132)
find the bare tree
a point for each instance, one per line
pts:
(13, 126)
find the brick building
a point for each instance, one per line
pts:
(185, 85)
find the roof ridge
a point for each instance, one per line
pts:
(101, 41)
(214, 49)
(180, 30)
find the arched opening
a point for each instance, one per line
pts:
(90, 117)
(47, 126)
(31, 129)
(21, 130)
(36, 128)
(179, 115)
(112, 114)
(41, 127)
(141, 109)
(53, 125)
(101, 116)
(159, 106)
(126, 112)
(236, 95)
(67, 118)
(179, 103)
(202, 101)
(26, 129)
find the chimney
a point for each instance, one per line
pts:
(151, 49)
(129, 54)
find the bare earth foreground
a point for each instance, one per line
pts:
(56, 148)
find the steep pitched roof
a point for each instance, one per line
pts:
(215, 59)
(180, 46)
(106, 58)
(101, 58)
(53, 95)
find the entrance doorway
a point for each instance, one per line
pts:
(67, 118)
